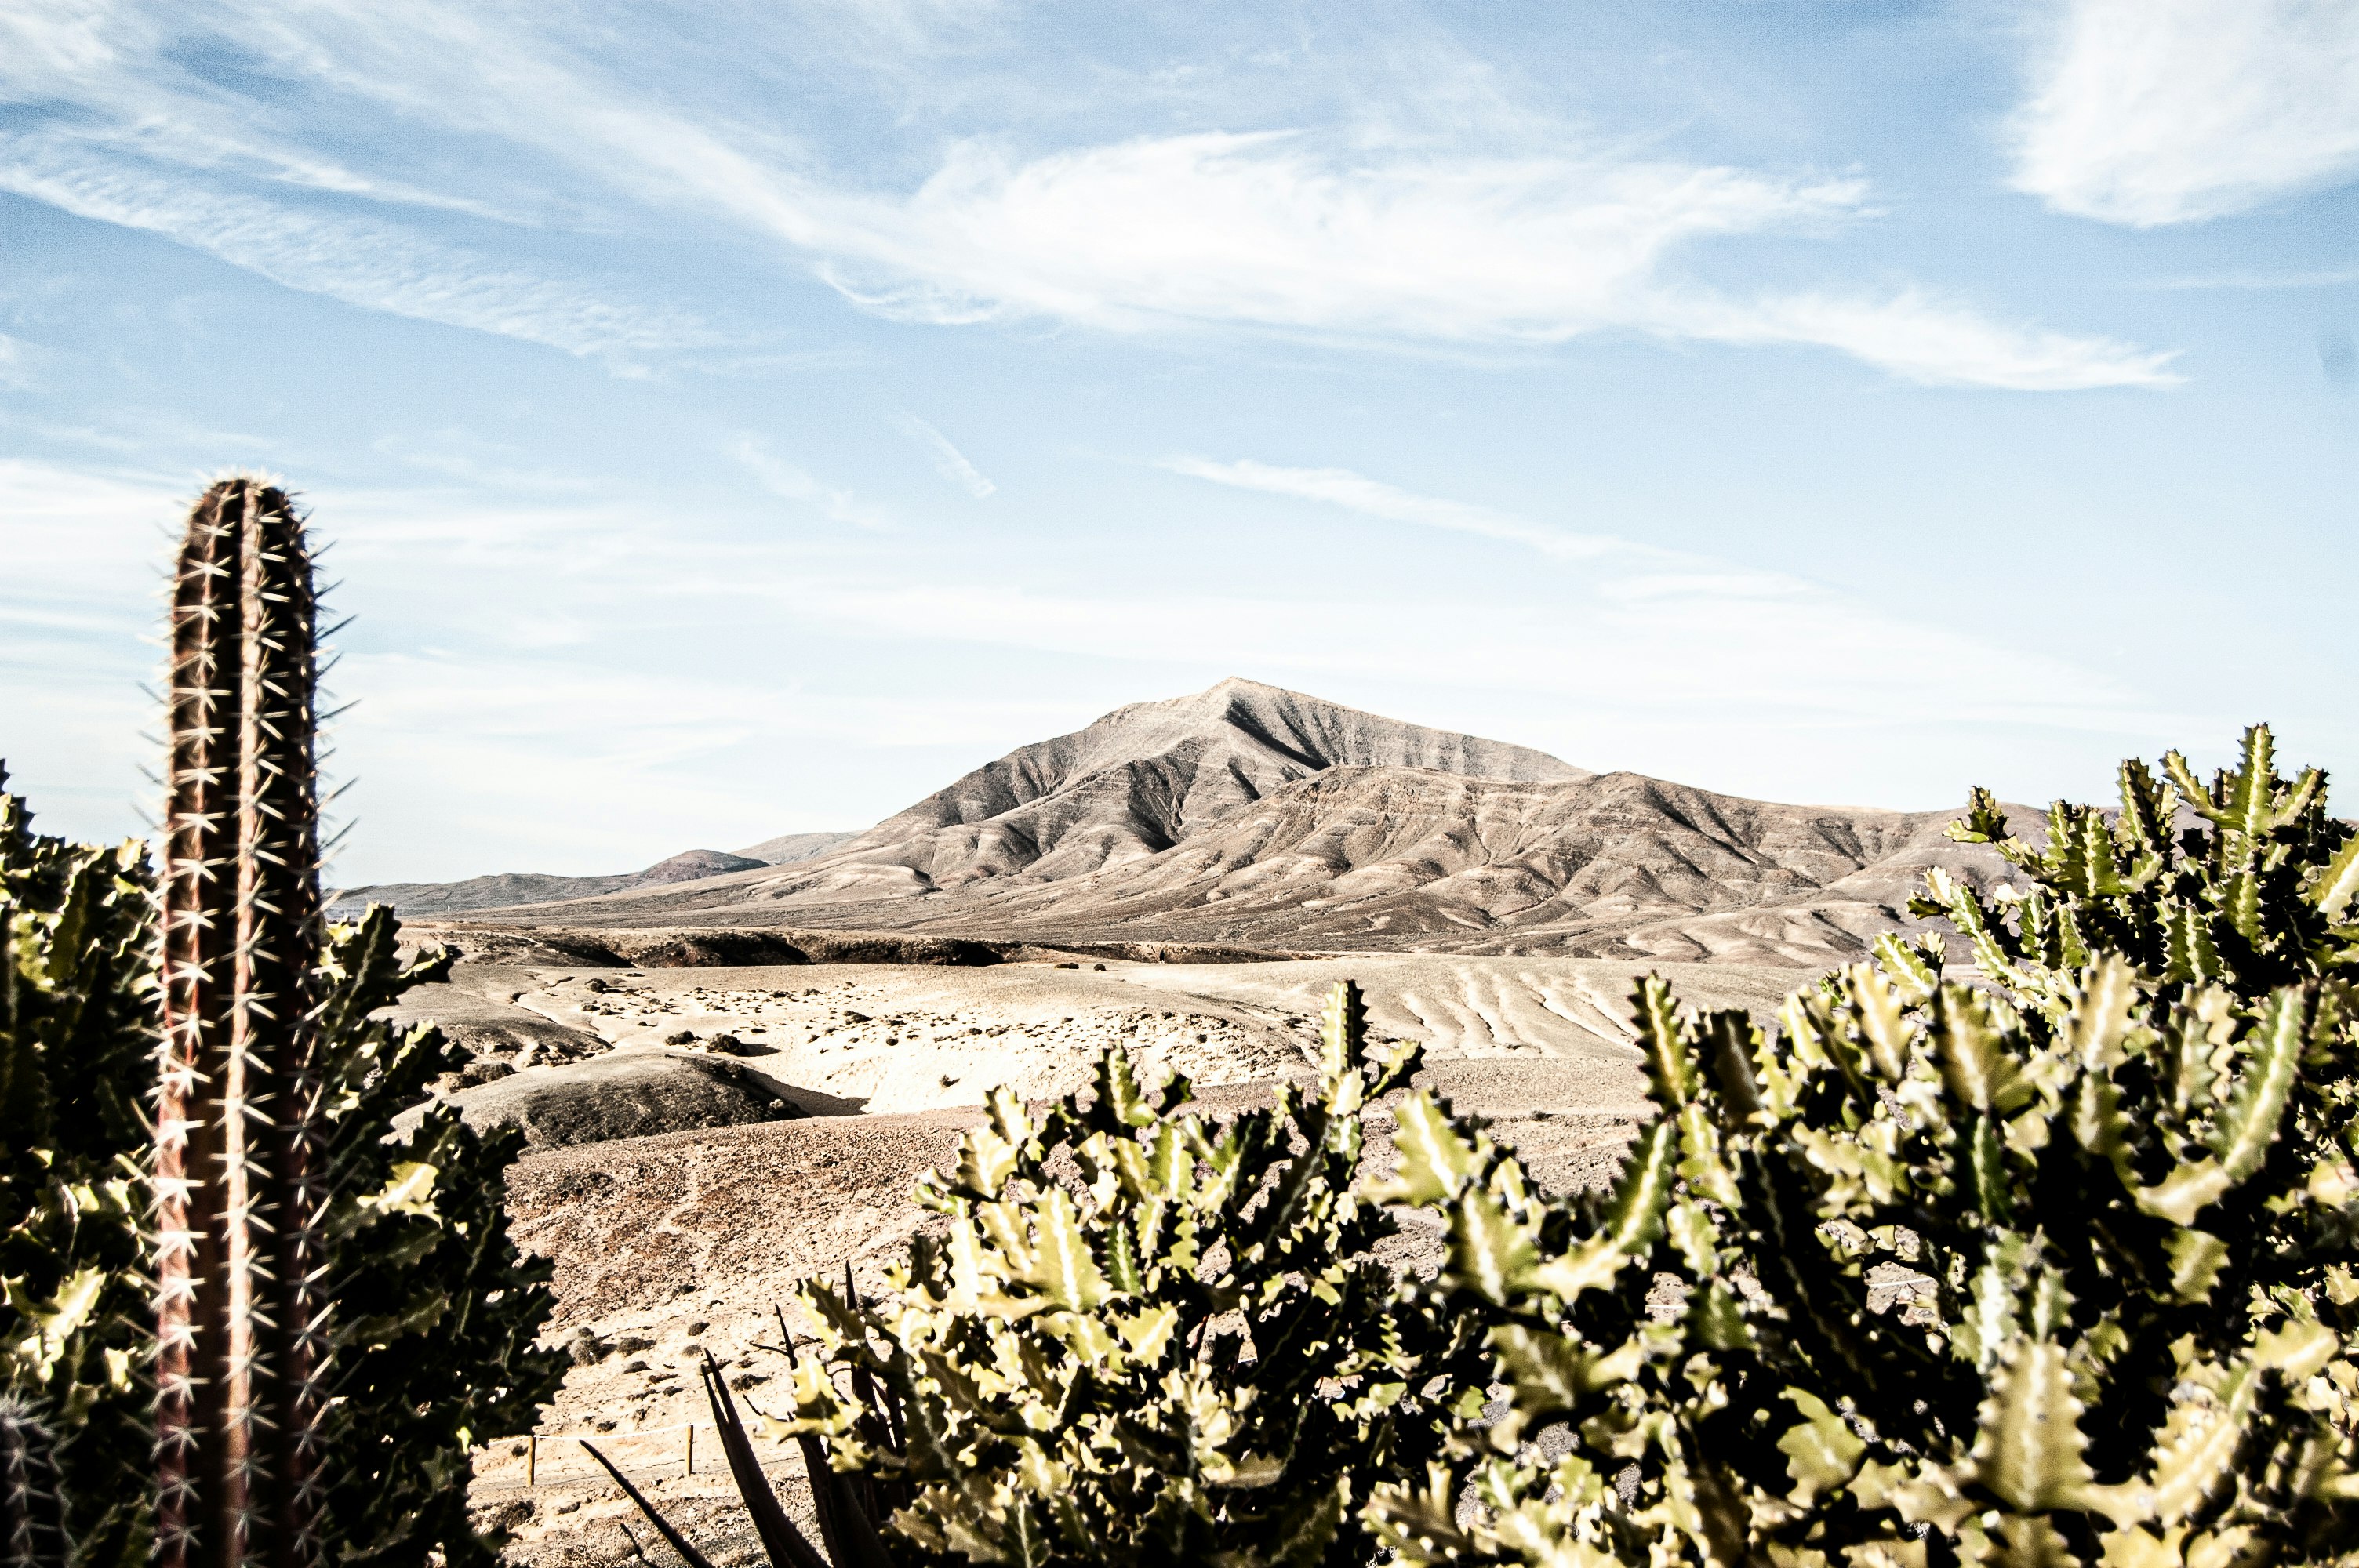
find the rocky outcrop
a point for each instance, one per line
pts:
(623, 1094)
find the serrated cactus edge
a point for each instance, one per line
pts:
(32, 1509)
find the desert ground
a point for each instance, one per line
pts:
(730, 1069)
(858, 1078)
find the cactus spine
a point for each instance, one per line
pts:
(32, 1513)
(241, 1327)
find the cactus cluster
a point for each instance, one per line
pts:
(265, 1175)
(76, 1022)
(300, 1255)
(2052, 1264)
(1144, 1335)
(438, 1316)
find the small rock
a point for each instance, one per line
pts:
(685, 1037)
(697, 1328)
(631, 1344)
(570, 1505)
(604, 1423)
(855, 1018)
(1097, 965)
(600, 987)
(504, 1518)
(635, 1365)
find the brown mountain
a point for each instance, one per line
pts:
(1130, 786)
(1250, 815)
(1615, 865)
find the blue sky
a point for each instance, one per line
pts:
(732, 419)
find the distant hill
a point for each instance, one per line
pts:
(1251, 815)
(512, 888)
(790, 847)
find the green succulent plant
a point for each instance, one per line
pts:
(341, 1316)
(76, 1010)
(1142, 1336)
(438, 1313)
(2053, 1270)
(208, 1301)
(32, 1504)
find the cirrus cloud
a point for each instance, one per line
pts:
(2153, 112)
(1278, 231)
(1519, 235)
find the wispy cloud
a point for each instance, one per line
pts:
(356, 259)
(2328, 277)
(1514, 234)
(691, 706)
(2155, 112)
(1296, 234)
(1933, 342)
(1655, 625)
(16, 361)
(948, 461)
(784, 479)
(1374, 498)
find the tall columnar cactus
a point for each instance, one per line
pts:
(240, 1245)
(32, 1514)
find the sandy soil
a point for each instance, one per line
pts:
(668, 1244)
(893, 1038)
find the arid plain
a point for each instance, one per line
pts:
(731, 1068)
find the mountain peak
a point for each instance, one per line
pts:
(1138, 779)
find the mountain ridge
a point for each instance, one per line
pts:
(507, 890)
(1129, 784)
(1201, 819)
(1391, 859)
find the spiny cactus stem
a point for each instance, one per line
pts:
(239, 1247)
(200, 824)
